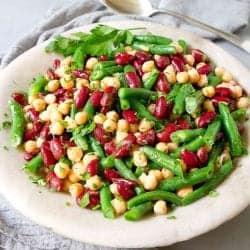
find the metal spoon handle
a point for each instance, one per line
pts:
(245, 45)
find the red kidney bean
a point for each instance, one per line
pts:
(92, 167)
(108, 97)
(56, 63)
(138, 66)
(94, 198)
(29, 135)
(20, 98)
(142, 55)
(178, 63)
(190, 159)
(80, 73)
(198, 55)
(82, 97)
(103, 58)
(217, 98)
(132, 80)
(96, 97)
(28, 156)
(57, 148)
(104, 110)
(130, 116)
(162, 108)
(205, 69)
(52, 75)
(33, 114)
(37, 127)
(147, 138)
(164, 135)
(45, 132)
(110, 174)
(206, 118)
(101, 135)
(125, 190)
(162, 62)
(47, 155)
(202, 155)
(54, 182)
(223, 91)
(183, 124)
(123, 58)
(162, 84)
(109, 148)
(124, 149)
(130, 183)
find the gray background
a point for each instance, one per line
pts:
(18, 16)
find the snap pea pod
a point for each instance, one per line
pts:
(193, 178)
(124, 171)
(173, 92)
(101, 73)
(18, 122)
(163, 160)
(136, 213)
(34, 164)
(124, 104)
(138, 93)
(179, 101)
(211, 132)
(89, 109)
(214, 80)
(154, 196)
(186, 135)
(239, 114)
(38, 85)
(231, 130)
(193, 103)
(108, 162)
(163, 49)
(73, 111)
(129, 68)
(149, 83)
(80, 141)
(215, 180)
(191, 146)
(96, 146)
(106, 206)
(153, 39)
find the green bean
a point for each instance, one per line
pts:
(108, 162)
(215, 180)
(153, 39)
(154, 165)
(231, 130)
(96, 146)
(89, 109)
(163, 49)
(193, 103)
(136, 213)
(104, 64)
(173, 92)
(124, 104)
(34, 164)
(239, 114)
(101, 73)
(138, 93)
(211, 132)
(186, 135)
(191, 146)
(154, 196)
(129, 68)
(73, 111)
(149, 83)
(129, 162)
(214, 80)
(122, 80)
(139, 190)
(163, 160)
(124, 171)
(106, 206)
(80, 141)
(37, 86)
(141, 46)
(183, 44)
(179, 101)
(18, 122)
(139, 171)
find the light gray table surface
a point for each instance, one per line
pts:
(19, 16)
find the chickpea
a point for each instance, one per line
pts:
(94, 85)
(120, 136)
(199, 65)
(208, 91)
(91, 62)
(149, 182)
(119, 206)
(148, 66)
(243, 102)
(182, 77)
(79, 169)
(236, 91)
(219, 71)
(99, 118)
(227, 76)
(66, 185)
(75, 189)
(172, 146)
(157, 173)
(109, 125)
(169, 69)
(80, 82)
(39, 142)
(122, 125)
(145, 76)
(66, 61)
(30, 146)
(133, 127)
(70, 123)
(87, 158)
(203, 81)
(208, 105)
(171, 77)
(187, 67)
(31, 98)
(167, 174)
(94, 182)
(56, 128)
(52, 107)
(194, 76)
(29, 125)
(44, 116)
(75, 154)
(56, 116)
(67, 84)
(110, 81)
(130, 50)
(60, 71)
(64, 108)
(112, 115)
(39, 104)
(160, 207)
(61, 170)
(185, 191)
(73, 177)
(183, 166)
(140, 159)
(189, 59)
(145, 125)
(178, 47)
(113, 189)
(151, 108)
(53, 85)
(50, 98)
(162, 146)
(81, 117)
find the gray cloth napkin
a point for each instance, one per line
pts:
(18, 232)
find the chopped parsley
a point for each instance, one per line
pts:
(172, 217)
(37, 180)
(213, 193)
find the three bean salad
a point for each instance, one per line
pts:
(129, 124)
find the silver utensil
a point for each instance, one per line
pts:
(144, 8)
